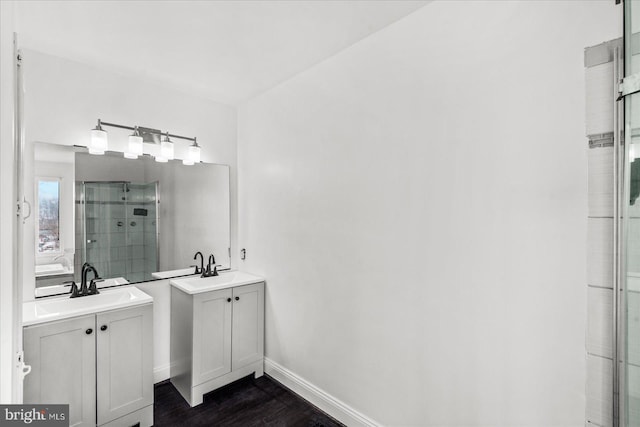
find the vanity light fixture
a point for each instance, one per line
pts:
(164, 147)
(135, 145)
(193, 154)
(99, 142)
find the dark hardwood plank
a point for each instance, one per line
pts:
(247, 402)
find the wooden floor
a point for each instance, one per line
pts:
(244, 403)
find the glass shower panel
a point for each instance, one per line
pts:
(631, 215)
(151, 230)
(105, 239)
(118, 232)
(141, 229)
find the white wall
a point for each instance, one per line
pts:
(65, 98)
(7, 208)
(418, 206)
(195, 215)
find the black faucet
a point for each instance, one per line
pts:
(92, 289)
(75, 292)
(201, 269)
(212, 263)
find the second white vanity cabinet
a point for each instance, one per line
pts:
(217, 337)
(100, 364)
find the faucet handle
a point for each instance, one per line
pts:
(206, 271)
(74, 289)
(198, 271)
(210, 270)
(93, 287)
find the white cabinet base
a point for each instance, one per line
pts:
(100, 364)
(143, 416)
(217, 337)
(194, 396)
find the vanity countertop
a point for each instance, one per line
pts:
(173, 273)
(50, 309)
(227, 279)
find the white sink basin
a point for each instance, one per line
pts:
(46, 310)
(196, 285)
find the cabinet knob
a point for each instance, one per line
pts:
(237, 298)
(103, 327)
(88, 331)
(228, 299)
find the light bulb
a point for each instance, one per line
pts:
(99, 142)
(193, 153)
(135, 143)
(166, 148)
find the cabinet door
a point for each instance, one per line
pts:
(124, 343)
(211, 335)
(248, 325)
(63, 369)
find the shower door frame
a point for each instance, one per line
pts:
(622, 193)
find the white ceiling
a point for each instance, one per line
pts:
(228, 51)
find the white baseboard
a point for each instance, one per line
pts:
(323, 400)
(161, 373)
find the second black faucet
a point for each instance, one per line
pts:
(212, 263)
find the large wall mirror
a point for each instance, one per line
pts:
(131, 219)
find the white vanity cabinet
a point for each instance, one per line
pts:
(124, 360)
(62, 356)
(216, 337)
(100, 364)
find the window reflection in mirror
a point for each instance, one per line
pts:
(48, 213)
(49, 230)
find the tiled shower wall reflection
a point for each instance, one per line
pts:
(600, 254)
(116, 229)
(599, 129)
